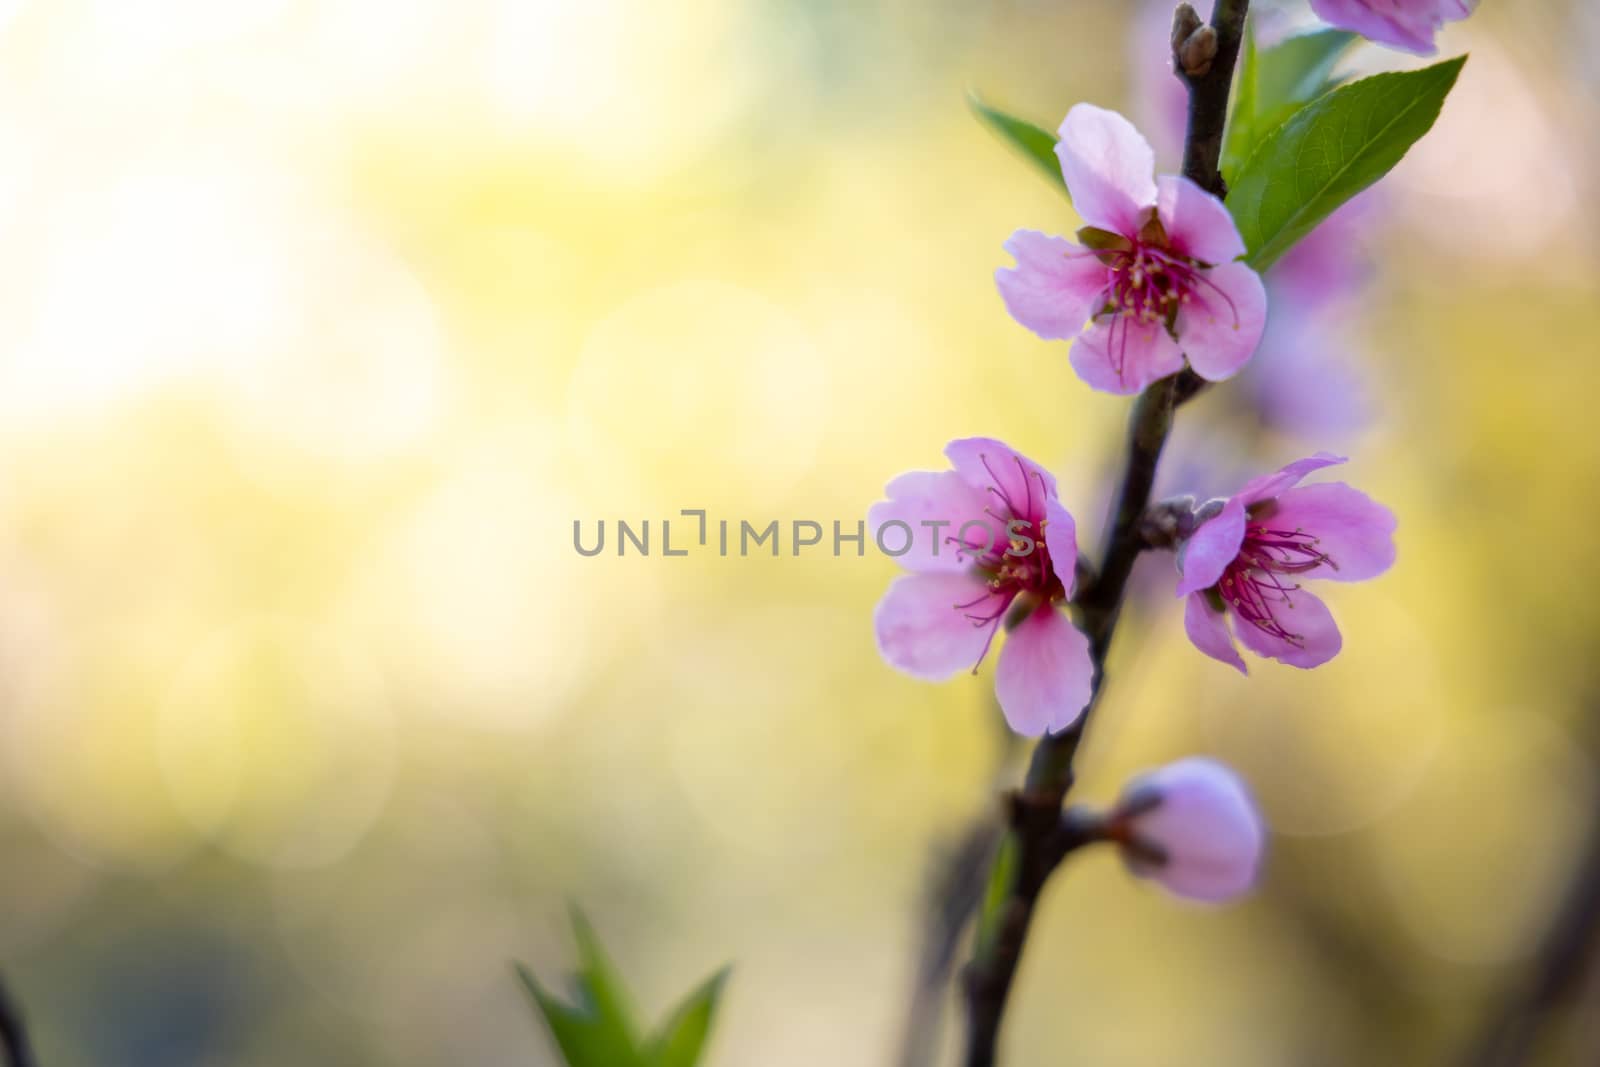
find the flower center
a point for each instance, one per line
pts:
(1016, 561)
(1148, 284)
(1255, 584)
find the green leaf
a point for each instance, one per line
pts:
(1330, 150)
(597, 1030)
(682, 1037)
(583, 1038)
(599, 983)
(1002, 876)
(1241, 117)
(1036, 144)
(1275, 83)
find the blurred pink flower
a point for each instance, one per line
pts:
(1303, 382)
(1192, 827)
(1158, 280)
(1247, 559)
(998, 543)
(1329, 263)
(1408, 25)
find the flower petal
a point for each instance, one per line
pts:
(1197, 224)
(1207, 825)
(1061, 538)
(1270, 485)
(1408, 30)
(1109, 168)
(1043, 676)
(1355, 531)
(1208, 630)
(985, 462)
(1301, 385)
(1303, 615)
(922, 631)
(1055, 286)
(1209, 550)
(936, 496)
(1122, 355)
(1222, 324)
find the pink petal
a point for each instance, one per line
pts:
(1355, 531)
(1055, 286)
(1122, 355)
(1208, 630)
(1222, 325)
(1061, 539)
(1301, 384)
(922, 632)
(1109, 168)
(985, 462)
(1208, 826)
(1043, 676)
(1211, 548)
(1303, 615)
(1197, 224)
(927, 496)
(1329, 263)
(1404, 24)
(1270, 485)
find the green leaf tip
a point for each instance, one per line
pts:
(597, 1029)
(1032, 142)
(682, 1038)
(1330, 150)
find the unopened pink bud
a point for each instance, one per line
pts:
(1192, 827)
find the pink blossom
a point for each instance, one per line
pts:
(1304, 382)
(1247, 560)
(1408, 25)
(993, 543)
(1192, 827)
(1155, 279)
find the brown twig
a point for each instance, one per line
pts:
(1036, 838)
(955, 888)
(13, 1035)
(1564, 957)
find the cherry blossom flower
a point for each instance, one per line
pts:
(1248, 558)
(1155, 278)
(1408, 25)
(996, 547)
(1192, 827)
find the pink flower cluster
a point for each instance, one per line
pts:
(1153, 284)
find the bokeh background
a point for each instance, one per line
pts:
(320, 324)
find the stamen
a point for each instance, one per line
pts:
(994, 484)
(1252, 585)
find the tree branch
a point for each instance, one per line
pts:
(1205, 57)
(955, 888)
(13, 1035)
(1564, 956)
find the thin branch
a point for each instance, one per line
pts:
(1565, 955)
(1206, 57)
(955, 888)
(13, 1035)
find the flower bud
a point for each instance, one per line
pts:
(1192, 827)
